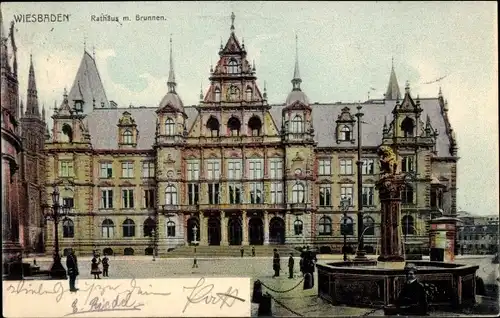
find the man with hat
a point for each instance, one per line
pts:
(412, 299)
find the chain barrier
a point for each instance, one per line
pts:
(285, 306)
(370, 312)
(283, 291)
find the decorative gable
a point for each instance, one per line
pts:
(128, 134)
(344, 132)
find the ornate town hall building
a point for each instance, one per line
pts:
(235, 170)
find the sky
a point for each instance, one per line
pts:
(345, 51)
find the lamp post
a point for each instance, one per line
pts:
(195, 242)
(344, 206)
(360, 253)
(153, 233)
(57, 270)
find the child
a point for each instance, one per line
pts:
(95, 267)
(105, 266)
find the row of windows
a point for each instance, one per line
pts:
(128, 228)
(234, 126)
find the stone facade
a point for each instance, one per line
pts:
(236, 168)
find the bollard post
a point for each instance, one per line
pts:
(257, 292)
(265, 306)
(308, 281)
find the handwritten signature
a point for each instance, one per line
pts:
(201, 293)
(22, 287)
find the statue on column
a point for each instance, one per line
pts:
(388, 161)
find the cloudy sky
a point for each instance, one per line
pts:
(345, 49)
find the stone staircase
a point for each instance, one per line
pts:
(229, 251)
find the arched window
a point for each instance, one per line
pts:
(346, 226)
(345, 133)
(232, 67)
(128, 251)
(248, 94)
(169, 127)
(217, 95)
(407, 127)
(255, 125)
(67, 133)
(170, 229)
(298, 194)
(297, 124)
(298, 227)
(170, 195)
(108, 228)
(368, 225)
(128, 228)
(234, 126)
(68, 228)
(407, 225)
(213, 126)
(127, 137)
(148, 227)
(407, 195)
(325, 225)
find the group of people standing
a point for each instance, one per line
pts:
(307, 263)
(96, 270)
(72, 268)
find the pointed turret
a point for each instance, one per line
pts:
(171, 74)
(296, 94)
(171, 99)
(22, 109)
(393, 87)
(43, 112)
(201, 91)
(32, 99)
(3, 45)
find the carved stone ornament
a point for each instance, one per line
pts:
(388, 160)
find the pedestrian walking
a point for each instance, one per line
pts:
(253, 251)
(72, 266)
(291, 263)
(276, 263)
(301, 264)
(242, 251)
(105, 266)
(94, 269)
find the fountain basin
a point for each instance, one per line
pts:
(362, 284)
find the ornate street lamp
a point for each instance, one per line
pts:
(195, 242)
(344, 206)
(360, 253)
(55, 213)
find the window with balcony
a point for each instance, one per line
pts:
(324, 167)
(128, 198)
(325, 225)
(276, 166)
(298, 193)
(213, 193)
(149, 198)
(66, 168)
(367, 166)
(106, 198)
(106, 170)
(234, 169)
(193, 193)
(213, 169)
(128, 169)
(346, 192)
(170, 195)
(325, 196)
(345, 166)
(148, 169)
(256, 193)
(235, 190)
(368, 196)
(255, 169)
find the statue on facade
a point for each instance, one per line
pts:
(388, 161)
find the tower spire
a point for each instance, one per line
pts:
(171, 75)
(201, 91)
(296, 72)
(232, 22)
(393, 91)
(32, 98)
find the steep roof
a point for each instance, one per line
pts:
(88, 84)
(393, 91)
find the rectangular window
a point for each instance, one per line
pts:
(106, 198)
(276, 192)
(367, 167)
(213, 169)
(193, 193)
(345, 166)
(128, 169)
(407, 164)
(255, 169)
(346, 192)
(65, 168)
(235, 190)
(193, 170)
(234, 169)
(149, 198)
(148, 169)
(69, 202)
(276, 168)
(368, 196)
(213, 193)
(127, 198)
(256, 196)
(325, 196)
(325, 167)
(106, 170)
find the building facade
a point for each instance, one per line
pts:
(477, 234)
(23, 159)
(236, 170)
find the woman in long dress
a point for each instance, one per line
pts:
(94, 270)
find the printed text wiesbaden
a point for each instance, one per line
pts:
(41, 17)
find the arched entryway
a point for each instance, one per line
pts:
(234, 230)
(255, 231)
(191, 223)
(214, 233)
(277, 231)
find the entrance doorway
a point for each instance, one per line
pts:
(235, 231)
(191, 223)
(276, 231)
(214, 233)
(256, 231)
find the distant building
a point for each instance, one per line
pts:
(235, 170)
(479, 236)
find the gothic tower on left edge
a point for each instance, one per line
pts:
(33, 129)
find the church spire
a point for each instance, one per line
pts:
(296, 72)
(393, 87)
(32, 100)
(232, 22)
(171, 75)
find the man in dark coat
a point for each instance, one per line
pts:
(242, 251)
(72, 266)
(291, 263)
(412, 300)
(276, 263)
(253, 251)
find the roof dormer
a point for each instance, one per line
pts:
(128, 134)
(344, 131)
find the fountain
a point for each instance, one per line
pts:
(377, 283)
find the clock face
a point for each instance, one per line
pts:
(298, 171)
